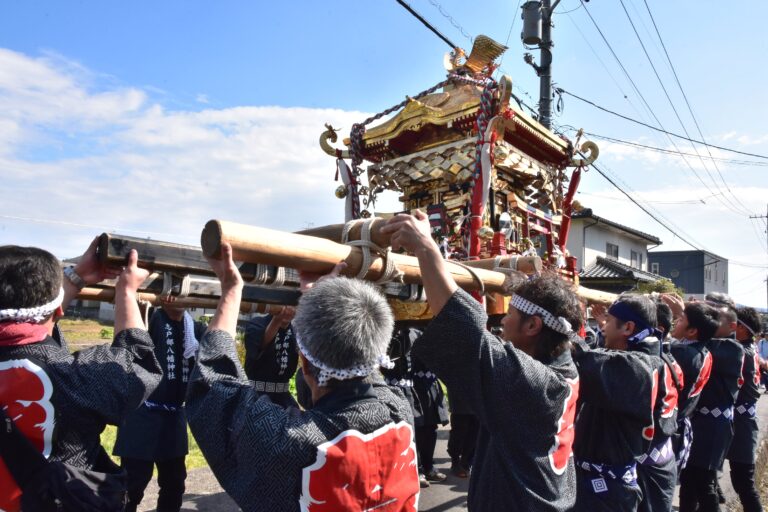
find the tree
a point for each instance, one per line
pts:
(660, 286)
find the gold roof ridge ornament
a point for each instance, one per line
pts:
(484, 53)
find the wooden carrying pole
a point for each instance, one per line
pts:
(108, 295)
(596, 296)
(525, 264)
(317, 255)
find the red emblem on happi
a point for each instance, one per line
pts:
(562, 450)
(364, 472)
(25, 396)
(703, 378)
(650, 430)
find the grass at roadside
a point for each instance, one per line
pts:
(194, 460)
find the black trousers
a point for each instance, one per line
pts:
(426, 439)
(171, 474)
(463, 438)
(743, 480)
(698, 490)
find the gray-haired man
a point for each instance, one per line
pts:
(353, 450)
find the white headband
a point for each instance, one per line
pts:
(327, 372)
(753, 333)
(558, 324)
(33, 315)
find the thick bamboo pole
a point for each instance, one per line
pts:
(311, 254)
(108, 295)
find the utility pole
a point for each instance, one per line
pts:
(537, 30)
(766, 246)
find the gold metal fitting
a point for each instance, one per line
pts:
(342, 191)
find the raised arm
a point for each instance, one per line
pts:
(411, 232)
(127, 313)
(228, 310)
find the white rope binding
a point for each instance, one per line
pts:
(390, 271)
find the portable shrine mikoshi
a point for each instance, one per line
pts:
(491, 178)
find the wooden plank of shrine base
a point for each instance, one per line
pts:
(169, 257)
(318, 255)
(108, 295)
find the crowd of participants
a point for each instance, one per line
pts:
(542, 420)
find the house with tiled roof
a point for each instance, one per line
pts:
(611, 257)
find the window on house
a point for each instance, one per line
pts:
(642, 262)
(634, 259)
(708, 273)
(611, 251)
(655, 267)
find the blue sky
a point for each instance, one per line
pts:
(152, 117)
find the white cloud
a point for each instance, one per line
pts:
(82, 154)
(102, 160)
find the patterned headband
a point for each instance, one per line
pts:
(327, 373)
(32, 315)
(753, 333)
(558, 324)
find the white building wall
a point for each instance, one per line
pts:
(588, 244)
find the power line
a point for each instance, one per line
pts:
(651, 215)
(680, 86)
(648, 106)
(690, 201)
(427, 24)
(675, 153)
(677, 135)
(602, 63)
(450, 19)
(663, 224)
(733, 204)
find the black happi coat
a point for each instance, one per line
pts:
(695, 360)
(400, 376)
(430, 394)
(525, 409)
(157, 430)
(269, 458)
(744, 445)
(277, 362)
(88, 390)
(615, 425)
(712, 435)
(657, 471)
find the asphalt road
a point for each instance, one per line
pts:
(205, 494)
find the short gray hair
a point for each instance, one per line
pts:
(344, 322)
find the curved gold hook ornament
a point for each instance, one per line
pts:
(505, 92)
(330, 134)
(593, 152)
